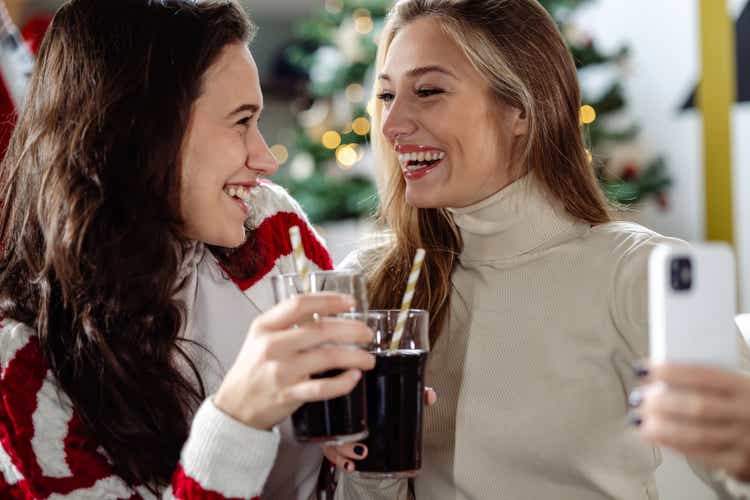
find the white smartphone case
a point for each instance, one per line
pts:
(693, 324)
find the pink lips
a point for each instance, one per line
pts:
(415, 148)
(414, 175)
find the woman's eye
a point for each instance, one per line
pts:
(385, 96)
(244, 121)
(428, 92)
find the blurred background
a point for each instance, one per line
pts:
(666, 116)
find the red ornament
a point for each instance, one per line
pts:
(629, 172)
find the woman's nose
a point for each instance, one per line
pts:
(397, 122)
(260, 157)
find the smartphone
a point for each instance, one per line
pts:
(692, 303)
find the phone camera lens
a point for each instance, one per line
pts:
(681, 274)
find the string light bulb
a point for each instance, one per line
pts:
(280, 152)
(361, 126)
(331, 139)
(362, 21)
(346, 156)
(588, 114)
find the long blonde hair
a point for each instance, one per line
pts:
(518, 49)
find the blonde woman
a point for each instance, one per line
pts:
(537, 298)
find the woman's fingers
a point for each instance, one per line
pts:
(430, 396)
(344, 456)
(339, 459)
(659, 400)
(329, 358)
(320, 389)
(349, 451)
(686, 436)
(301, 308)
(716, 446)
(700, 411)
(700, 378)
(325, 331)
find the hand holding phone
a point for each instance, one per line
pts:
(692, 304)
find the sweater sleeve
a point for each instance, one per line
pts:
(629, 298)
(629, 308)
(46, 450)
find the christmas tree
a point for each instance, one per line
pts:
(334, 53)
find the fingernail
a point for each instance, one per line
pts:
(359, 450)
(639, 369)
(635, 398)
(636, 421)
(349, 466)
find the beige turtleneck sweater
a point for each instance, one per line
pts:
(533, 367)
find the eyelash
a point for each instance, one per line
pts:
(388, 96)
(244, 121)
(428, 92)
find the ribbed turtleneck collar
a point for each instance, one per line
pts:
(513, 222)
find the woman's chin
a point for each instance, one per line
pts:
(229, 240)
(418, 199)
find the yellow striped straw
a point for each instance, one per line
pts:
(299, 257)
(416, 268)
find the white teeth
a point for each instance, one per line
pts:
(421, 156)
(240, 192)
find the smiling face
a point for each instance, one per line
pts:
(453, 138)
(223, 152)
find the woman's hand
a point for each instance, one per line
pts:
(343, 456)
(701, 412)
(271, 376)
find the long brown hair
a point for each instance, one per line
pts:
(90, 224)
(518, 49)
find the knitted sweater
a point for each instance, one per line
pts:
(46, 450)
(532, 368)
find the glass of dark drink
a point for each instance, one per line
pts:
(339, 420)
(395, 398)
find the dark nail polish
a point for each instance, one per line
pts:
(359, 450)
(636, 421)
(639, 369)
(635, 398)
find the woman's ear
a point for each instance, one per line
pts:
(519, 122)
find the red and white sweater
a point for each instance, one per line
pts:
(47, 452)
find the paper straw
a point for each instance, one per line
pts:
(416, 268)
(299, 257)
